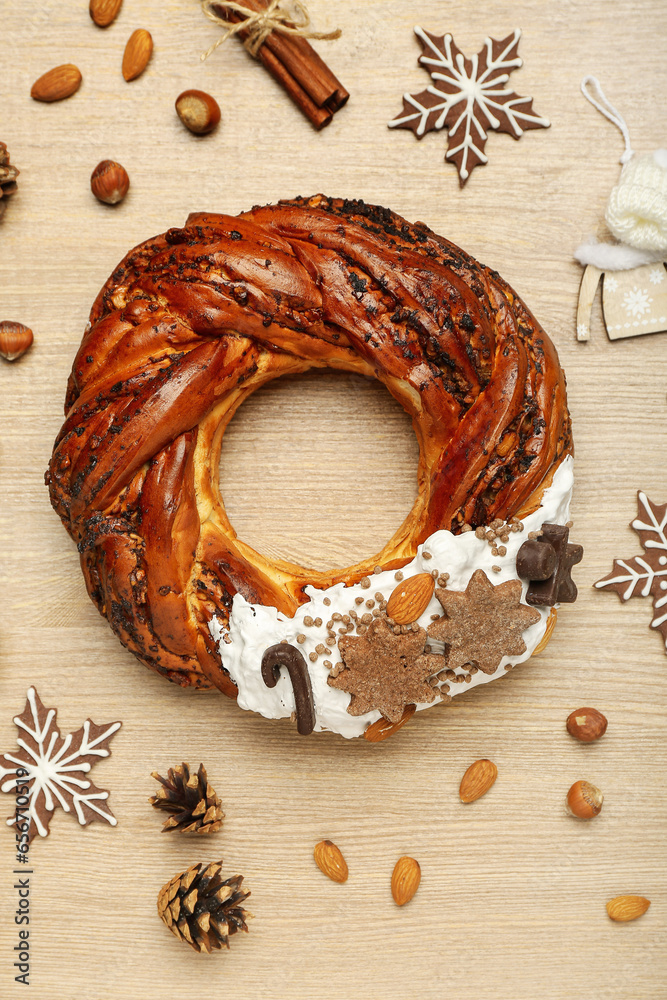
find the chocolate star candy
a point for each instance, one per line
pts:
(547, 562)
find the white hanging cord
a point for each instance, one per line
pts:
(606, 108)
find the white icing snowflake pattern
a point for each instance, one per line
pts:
(611, 284)
(637, 302)
(583, 332)
(469, 97)
(53, 768)
(657, 275)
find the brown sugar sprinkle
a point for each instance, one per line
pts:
(508, 666)
(434, 574)
(442, 579)
(473, 669)
(494, 550)
(331, 639)
(376, 612)
(367, 619)
(329, 624)
(370, 604)
(398, 575)
(497, 523)
(327, 651)
(301, 637)
(337, 617)
(362, 629)
(504, 537)
(434, 618)
(480, 533)
(426, 555)
(379, 597)
(318, 622)
(466, 527)
(358, 600)
(444, 689)
(468, 678)
(312, 657)
(320, 648)
(326, 600)
(569, 524)
(365, 582)
(450, 674)
(496, 569)
(308, 621)
(502, 551)
(535, 534)
(327, 664)
(377, 569)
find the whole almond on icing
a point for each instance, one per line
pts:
(138, 52)
(405, 880)
(409, 599)
(477, 780)
(59, 83)
(330, 860)
(625, 908)
(103, 12)
(383, 729)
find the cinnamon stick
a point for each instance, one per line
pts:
(296, 66)
(305, 65)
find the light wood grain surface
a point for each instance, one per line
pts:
(322, 469)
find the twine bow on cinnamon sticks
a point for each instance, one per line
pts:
(277, 34)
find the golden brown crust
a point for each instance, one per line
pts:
(193, 321)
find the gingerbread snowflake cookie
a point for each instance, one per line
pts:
(468, 97)
(645, 575)
(54, 770)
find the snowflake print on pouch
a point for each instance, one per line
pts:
(637, 302)
(657, 275)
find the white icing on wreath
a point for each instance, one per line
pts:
(255, 627)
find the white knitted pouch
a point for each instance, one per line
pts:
(637, 207)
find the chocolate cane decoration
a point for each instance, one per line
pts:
(547, 562)
(284, 655)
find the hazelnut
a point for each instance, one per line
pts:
(584, 800)
(586, 725)
(15, 339)
(199, 112)
(109, 182)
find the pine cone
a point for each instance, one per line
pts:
(193, 803)
(201, 908)
(8, 175)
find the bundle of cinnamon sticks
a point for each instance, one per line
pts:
(297, 67)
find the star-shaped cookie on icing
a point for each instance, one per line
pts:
(483, 623)
(385, 671)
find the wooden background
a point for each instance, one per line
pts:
(323, 469)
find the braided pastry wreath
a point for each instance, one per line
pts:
(193, 321)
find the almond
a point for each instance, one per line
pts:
(138, 52)
(382, 729)
(405, 880)
(477, 780)
(103, 12)
(59, 83)
(329, 860)
(624, 908)
(551, 624)
(409, 600)
(15, 339)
